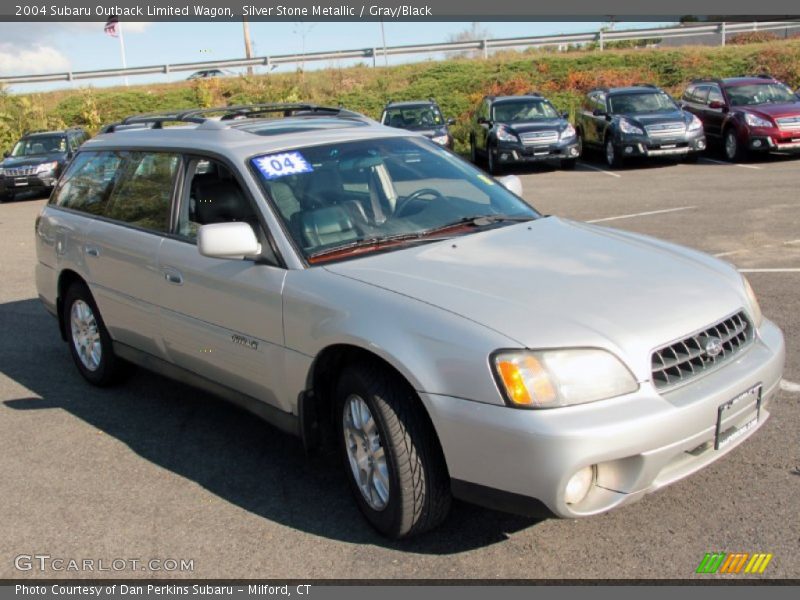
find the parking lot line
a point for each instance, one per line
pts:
(743, 250)
(780, 270)
(593, 168)
(641, 214)
(722, 162)
(790, 386)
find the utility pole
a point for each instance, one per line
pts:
(248, 48)
(383, 37)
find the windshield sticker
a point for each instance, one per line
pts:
(273, 166)
(485, 179)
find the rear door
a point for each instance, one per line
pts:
(122, 244)
(221, 318)
(713, 118)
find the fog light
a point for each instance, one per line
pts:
(504, 156)
(573, 152)
(757, 144)
(628, 149)
(578, 485)
(701, 145)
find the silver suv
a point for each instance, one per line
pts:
(355, 283)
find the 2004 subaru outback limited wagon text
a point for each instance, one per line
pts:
(352, 282)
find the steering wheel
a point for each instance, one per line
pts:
(405, 202)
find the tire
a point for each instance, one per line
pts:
(568, 164)
(491, 165)
(613, 159)
(691, 158)
(6, 198)
(731, 148)
(473, 151)
(380, 421)
(88, 339)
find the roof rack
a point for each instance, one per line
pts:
(533, 93)
(156, 120)
(645, 85)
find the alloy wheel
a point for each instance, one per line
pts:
(86, 335)
(365, 452)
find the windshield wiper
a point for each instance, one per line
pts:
(424, 235)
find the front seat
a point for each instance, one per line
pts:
(221, 201)
(326, 226)
(284, 198)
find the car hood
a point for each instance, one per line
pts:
(657, 118)
(558, 283)
(429, 133)
(24, 161)
(786, 109)
(539, 125)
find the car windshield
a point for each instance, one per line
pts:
(641, 103)
(43, 144)
(413, 117)
(524, 110)
(760, 93)
(373, 191)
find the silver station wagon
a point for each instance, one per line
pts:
(358, 285)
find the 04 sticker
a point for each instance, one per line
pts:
(273, 166)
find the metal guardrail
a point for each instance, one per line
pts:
(485, 46)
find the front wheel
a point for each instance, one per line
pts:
(568, 164)
(734, 152)
(613, 159)
(691, 158)
(390, 451)
(88, 338)
(473, 151)
(491, 161)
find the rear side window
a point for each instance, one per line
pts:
(88, 182)
(142, 195)
(131, 187)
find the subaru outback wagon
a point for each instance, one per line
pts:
(358, 284)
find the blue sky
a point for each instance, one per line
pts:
(58, 47)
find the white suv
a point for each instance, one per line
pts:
(336, 276)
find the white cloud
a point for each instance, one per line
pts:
(34, 59)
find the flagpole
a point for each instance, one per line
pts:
(122, 50)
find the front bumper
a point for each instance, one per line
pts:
(515, 152)
(10, 186)
(645, 146)
(639, 442)
(774, 140)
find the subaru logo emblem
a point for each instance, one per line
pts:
(713, 347)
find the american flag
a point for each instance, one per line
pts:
(112, 26)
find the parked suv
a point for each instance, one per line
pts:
(36, 161)
(421, 116)
(508, 130)
(638, 121)
(746, 114)
(355, 283)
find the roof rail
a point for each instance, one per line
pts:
(599, 88)
(646, 85)
(156, 120)
(534, 93)
(765, 76)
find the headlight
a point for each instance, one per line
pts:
(2, 171)
(504, 135)
(47, 167)
(568, 132)
(552, 378)
(755, 121)
(627, 127)
(439, 139)
(695, 124)
(755, 309)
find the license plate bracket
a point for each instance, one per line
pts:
(723, 437)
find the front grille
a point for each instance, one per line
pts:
(666, 130)
(685, 359)
(788, 122)
(20, 171)
(539, 138)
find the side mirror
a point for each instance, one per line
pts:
(483, 121)
(565, 114)
(512, 183)
(235, 240)
(6, 154)
(451, 121)
(717, 105)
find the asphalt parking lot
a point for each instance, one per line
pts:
(154, 469)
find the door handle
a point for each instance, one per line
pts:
(173, 277)
(92, 251)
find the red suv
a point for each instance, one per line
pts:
(746, 114)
